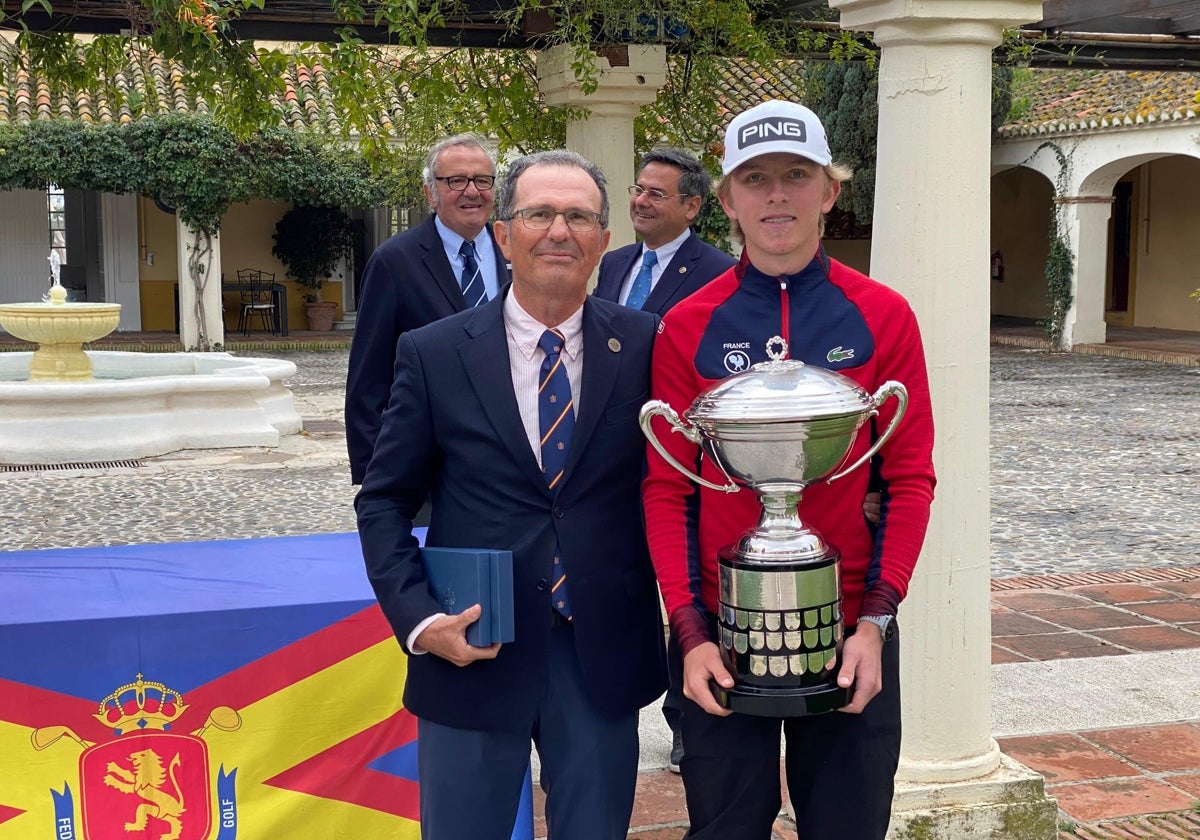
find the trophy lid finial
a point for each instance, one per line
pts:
(777, 348)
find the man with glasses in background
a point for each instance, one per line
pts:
(519, 419)
(668, 264)
(445, 265)
(671, 261)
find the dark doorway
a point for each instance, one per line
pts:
(1122, 246)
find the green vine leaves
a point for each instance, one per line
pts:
(410, 91)
(188, 162)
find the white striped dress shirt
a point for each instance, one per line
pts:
(525, 362)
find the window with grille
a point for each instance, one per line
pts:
(398, 219)
(56, 206)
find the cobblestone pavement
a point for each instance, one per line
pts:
(1095, 466)
(1095, 463)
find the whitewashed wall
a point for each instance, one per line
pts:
(24, 246)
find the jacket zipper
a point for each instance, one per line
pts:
(784, 322)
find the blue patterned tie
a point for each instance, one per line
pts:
(640, 290)
(472, 281)
(556, 423)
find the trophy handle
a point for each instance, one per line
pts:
(891, 388)
(661, 409)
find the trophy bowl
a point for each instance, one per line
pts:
(775, 429)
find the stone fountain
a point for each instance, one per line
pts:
(60, 330)
(62, 404)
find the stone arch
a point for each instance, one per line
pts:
(1096, 163)
(1151, 247)
(1022, 201)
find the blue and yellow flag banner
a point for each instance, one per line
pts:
(201, 691)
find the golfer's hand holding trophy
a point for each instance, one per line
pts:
(775, 429)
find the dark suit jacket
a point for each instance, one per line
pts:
(452, 428)
(408, 283)
(695, 263)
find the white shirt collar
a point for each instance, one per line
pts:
(525, 330)
(453, 242)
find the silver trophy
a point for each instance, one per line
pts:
(777, 428)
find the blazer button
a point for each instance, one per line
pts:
(542, 585)
(559, 513)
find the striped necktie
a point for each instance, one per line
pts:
(472, 280)
(640, 290)
(556, 423)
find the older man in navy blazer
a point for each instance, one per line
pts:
(420, 275)
(519, 418)
(670, 262)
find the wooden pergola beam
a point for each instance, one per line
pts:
(1116, 16)
(1188, 24)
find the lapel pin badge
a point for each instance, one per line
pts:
(614, 345)
(683, 269)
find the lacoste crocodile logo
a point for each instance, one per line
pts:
(837, 354)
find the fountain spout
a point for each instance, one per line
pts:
(57, 293)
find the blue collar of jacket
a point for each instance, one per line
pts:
(816, 271)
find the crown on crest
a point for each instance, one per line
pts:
(141, 706)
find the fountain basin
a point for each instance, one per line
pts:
(143, 404)
(60, 329)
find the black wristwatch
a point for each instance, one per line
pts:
(885, 623)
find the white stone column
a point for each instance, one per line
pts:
(605, 135)
(930, 242)
(190, 329)
(1085, 223)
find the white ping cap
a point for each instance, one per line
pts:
(775, 126)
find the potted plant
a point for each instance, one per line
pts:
(310, 242)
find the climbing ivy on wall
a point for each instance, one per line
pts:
(194, 165)
(1060, 267)
(191, 163)
(1060, 261)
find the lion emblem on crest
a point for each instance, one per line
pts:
(148, 780)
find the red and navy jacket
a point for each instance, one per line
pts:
(832, 317)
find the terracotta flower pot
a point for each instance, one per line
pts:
(320, 315)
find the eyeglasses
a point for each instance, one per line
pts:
(540, 218)
(657, 196)
(458, 183)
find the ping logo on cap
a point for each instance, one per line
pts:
(772, 128)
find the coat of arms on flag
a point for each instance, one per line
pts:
(147, 779)
(246, 689)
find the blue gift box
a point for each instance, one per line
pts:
(462, 577)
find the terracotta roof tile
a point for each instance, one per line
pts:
(151, 85)
(1063, 101)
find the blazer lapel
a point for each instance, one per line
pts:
(601, 364)
(439, 267)
(674, 275)
(635, 258)
(484, 355)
